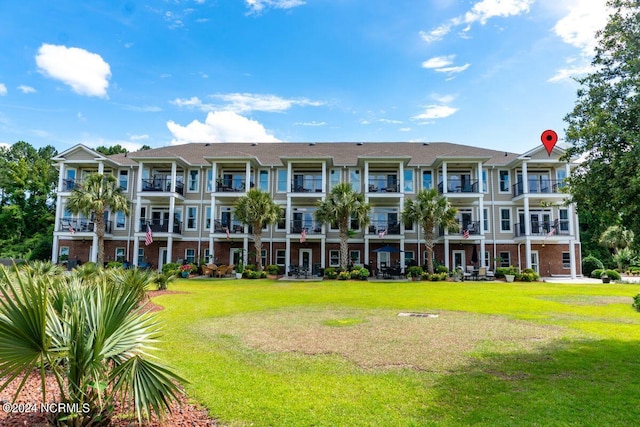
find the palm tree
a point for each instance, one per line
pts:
(341, 206)
(93, 335)
(257, 209)
(616, 237)
(430, 210)
(93, 198)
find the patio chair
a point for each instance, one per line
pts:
(490, 275)
(482, 273)
(221, 270)
(229, 269)
(209, 269)
(468, 272)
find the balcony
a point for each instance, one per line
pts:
(160, 226)
(73, 226)
(300, 184)
(161, 185)
(69, 184)
(310, 227)
(383, 185)
(546, 186)
(231, 185)
(231, 226)
(457, 186)
(538, 228)
(467, 229)
(383, 228)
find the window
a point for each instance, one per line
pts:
(505, 259)
(192, 217)
(281, 257)
(505, 219)
(408, 227)
(190, 255)
(120, 253)
(561, 175)
(282, 181)
(121, 220)
(504, 181)
(207, 218)
(427, 180)
(334, 258)
(564, 220)
(124, 180)
(354, 179)
(140, 256)
(487, 258)
(64, 253)
(334, 178)
(263, 257)
(282, 222)
(193, 180)
(409, 257)
(566, 260)
(485, 224)
(484, 181)
(354, 223)
(408, 180)
(207, 255)
(354, 257)
(263, 180)
(209, 180)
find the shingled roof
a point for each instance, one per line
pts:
(341, 153)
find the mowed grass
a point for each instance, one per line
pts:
(266, 353)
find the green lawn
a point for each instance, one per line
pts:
(265, 353)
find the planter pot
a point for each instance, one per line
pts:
(606, 280)
(184, 274)
(509, 277)
(238, 275)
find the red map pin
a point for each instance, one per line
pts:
(549, 139)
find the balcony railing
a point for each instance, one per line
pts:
(469, 186)
(161, 185)
(160, 226)
(310, 227)
(73, 225)
(383, 186)
(383, 228)
(69, 184)
(222, 226)
(233, 185)
(467, 229)
(551, 186)
(540, 228)
(306, 185)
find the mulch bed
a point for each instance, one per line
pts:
(183, 413)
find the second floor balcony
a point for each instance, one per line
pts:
(539, 186)
(161, 185)
(82, 225)
(383, 228)
(543, 228)
(383, 185)
(306, 184)
(160, 226)
(460, 186)
(310, 227)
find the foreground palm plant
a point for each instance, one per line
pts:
(94, 338)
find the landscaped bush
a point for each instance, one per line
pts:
(502, 271)
(344, 275)
(364, 273)
(441, 269)
(597, 273)
(252, 274)
(636, 302)
(633, 271)
(114, 264)
(613, 275)
(330, 273)
(171, 268)
(590, 263)
(272, 269)
(414, 271)
(435, 277)
(528, 275)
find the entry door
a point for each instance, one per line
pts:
(458, 260)
(305, 258)
(384, 260)
(235, 256)
(162, 258)
(535, 261)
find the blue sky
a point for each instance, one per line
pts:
(490, 73)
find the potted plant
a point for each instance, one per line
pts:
(239, 270)
(457, 275)
(185, 269)
(605, 278)
(510, 274)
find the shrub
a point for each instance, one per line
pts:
(597, 273)
(330, 273)
(590, 263)
(415, 271)
(364, 273)
(114, 264)
(636, 302)
(613, 275)
(355, 273)
(252, 274)
(272, 269)
(442, 269)
(344, 275)
(529, 275)
(502, 271)
(171, 268)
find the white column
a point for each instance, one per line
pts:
(247, 176)
(100, 167)
(94, 251)
(401, 180)
(289, 176)
(444, 177)
(481, 213)
(446, 253)
(214, 176)
(55, 249)
(174, 174)
(366, 177)
(287, 249)
(136, 248)
(324, 176)
(527, 219)
(172, 209)
(323, 250)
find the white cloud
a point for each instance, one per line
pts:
(432, 112)
(138, 137)
(86, 72)
(451, 70)
(220, 126)
(257, 6)
(579, 26)
(481, 12)
(26, 89)
(438, 61)
(312, 123)
(3, 89)
(245, 102)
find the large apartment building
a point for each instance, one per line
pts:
(510, 206)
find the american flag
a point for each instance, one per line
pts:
(72, 230)
(226, 230)
(382, 233)
(303, 235)
(552, 232)
(465, 233)
(148, 238)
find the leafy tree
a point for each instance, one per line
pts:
(93, 198)
(115, 149)
(91, 333)
(430, 210)
(341, 206)
(145, 147)
(617, 238)
(604, 126)
(257, 209)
